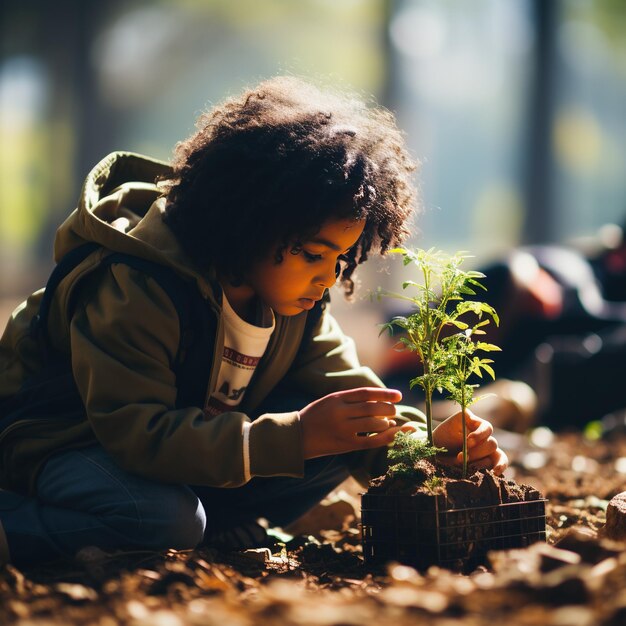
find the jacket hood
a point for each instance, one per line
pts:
(120, 208)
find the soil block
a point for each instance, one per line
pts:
(424, 529)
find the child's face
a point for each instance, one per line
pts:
(300, 279)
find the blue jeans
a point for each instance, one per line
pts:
(83, 498)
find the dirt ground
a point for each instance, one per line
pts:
(576, 578)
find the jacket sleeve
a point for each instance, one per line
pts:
(124, 338)
(328, 362)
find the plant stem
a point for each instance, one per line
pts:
(428, 391)
(464, 442)
(463, 402)
(429, 409)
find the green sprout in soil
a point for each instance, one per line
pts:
(405, 453)
(438, 297)
(434, 484)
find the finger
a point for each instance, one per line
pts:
(497, 461)
(410, 427)
(381, 439)
(484, 449)
(500, 461)
(481, 431)
(369, 394)
(473, 422)
(370, 409)
(472, 419)
(371, 425)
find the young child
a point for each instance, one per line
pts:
(182, 376)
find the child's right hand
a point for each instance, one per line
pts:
(331, 425)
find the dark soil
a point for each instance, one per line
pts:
(431, 515)
(576, 578)
(482, 488)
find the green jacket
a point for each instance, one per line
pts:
(122, 339)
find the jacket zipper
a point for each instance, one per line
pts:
(217, 358)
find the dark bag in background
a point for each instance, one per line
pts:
(579, 379)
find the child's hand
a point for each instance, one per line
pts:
(332, 424)
(482, 447)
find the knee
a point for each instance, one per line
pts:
(178, 521)
(174, 519)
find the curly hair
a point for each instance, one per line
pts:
(265, 170)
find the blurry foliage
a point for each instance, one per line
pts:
(336, 37)
(610, 16)
(225, 46)
(22, 192)
(217, 47)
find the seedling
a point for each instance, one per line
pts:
(448, 361)
(461, 363)
(406, 452)
(418, 513)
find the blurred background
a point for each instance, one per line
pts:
(516, 109)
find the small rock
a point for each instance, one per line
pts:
(403, 574)
(616, 518)
(76, 593)
(585, 542)
(551, 558)
(262, 555)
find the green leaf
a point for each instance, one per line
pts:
(489, 370)
(459, 324)
(410, 345)
(386, 326)
(440, 301)
(487, 347)
(400, 321)
(416, 381)
(476, 284)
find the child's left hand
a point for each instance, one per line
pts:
(482, 446)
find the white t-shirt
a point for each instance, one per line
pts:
(244, 345)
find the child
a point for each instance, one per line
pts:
(183, 375)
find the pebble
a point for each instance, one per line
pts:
(616, 518)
